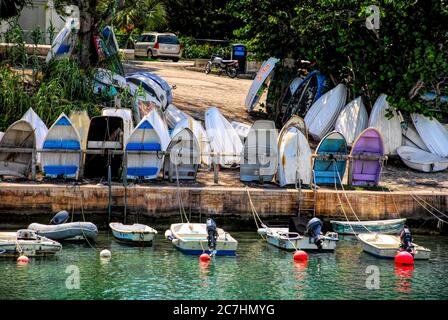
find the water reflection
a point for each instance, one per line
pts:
(404, 275)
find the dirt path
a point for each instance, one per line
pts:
(197, 91)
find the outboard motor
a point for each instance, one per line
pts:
(406, 240)
(212, 233)
(313, 229)
(60, 217)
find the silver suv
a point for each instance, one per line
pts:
(158, 45)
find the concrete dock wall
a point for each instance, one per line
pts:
(25, 202)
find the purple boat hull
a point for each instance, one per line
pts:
(367, 172)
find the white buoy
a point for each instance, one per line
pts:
(106, 254)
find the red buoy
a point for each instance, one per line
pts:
(404, 258)
(204, 257)
(300, 255)
(23, 259)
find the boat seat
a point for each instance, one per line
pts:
(133, 146)
(62, 145)
(60, 170)
(142, 171)
(364, 177)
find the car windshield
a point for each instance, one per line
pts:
(168, 39)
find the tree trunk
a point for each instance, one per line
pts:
(87, 23)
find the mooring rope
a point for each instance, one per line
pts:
(336, 170)
(183, 214)
(257, 218)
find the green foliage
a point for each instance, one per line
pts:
(202, 50)
(410, 47)
(201, 19)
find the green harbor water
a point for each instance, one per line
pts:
(259, 271)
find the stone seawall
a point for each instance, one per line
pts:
(23, 203)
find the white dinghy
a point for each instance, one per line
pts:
(433, 134)
(26, 242)
(294, 121)
(126, 115)
(390, 129)
(64, 146)
(411, 137)
(200, 134)
(352, 120)
(174, 116)
(133, 234)
(260, 157)
(19, 135)
(323, 113)
(421, 160)
(146, 137)
(258, 84)
(295, 164)
(184, 157)
(191, 238)
(223, 138)
(40, 129)
(242, 129)
(284, 239)
(387, 246)
(81, 122)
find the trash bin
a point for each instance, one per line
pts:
(239, 52)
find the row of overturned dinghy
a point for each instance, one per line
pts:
(421, 142)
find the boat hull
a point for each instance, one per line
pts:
(136, 234)
(387, 246)
(11, 246)
(72, 231)
(191, 239)
(393, 226)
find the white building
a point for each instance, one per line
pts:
(41, 14)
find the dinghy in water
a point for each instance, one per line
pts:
(421, 160)
(70, 231)
(242, 129)
(200, 134)
(387, 246)
(81, 122)
(433, 134)
(61, 230)
(322, 115)
(40, 130)
(135, 234)
(390, 129)
(390, 226)
(259, 161)
(145, 137)
(258, 85)
(192, 238)
(295, 157)
(26, 242)
(327, 169)
(223, 138)
(184, 157)
(352, 120)
(106, 134)
(367, 155)
(311, 239)
(20, 135)
(64, 143)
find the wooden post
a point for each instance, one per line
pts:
(33, 164)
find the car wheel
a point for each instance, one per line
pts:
(175, 59)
